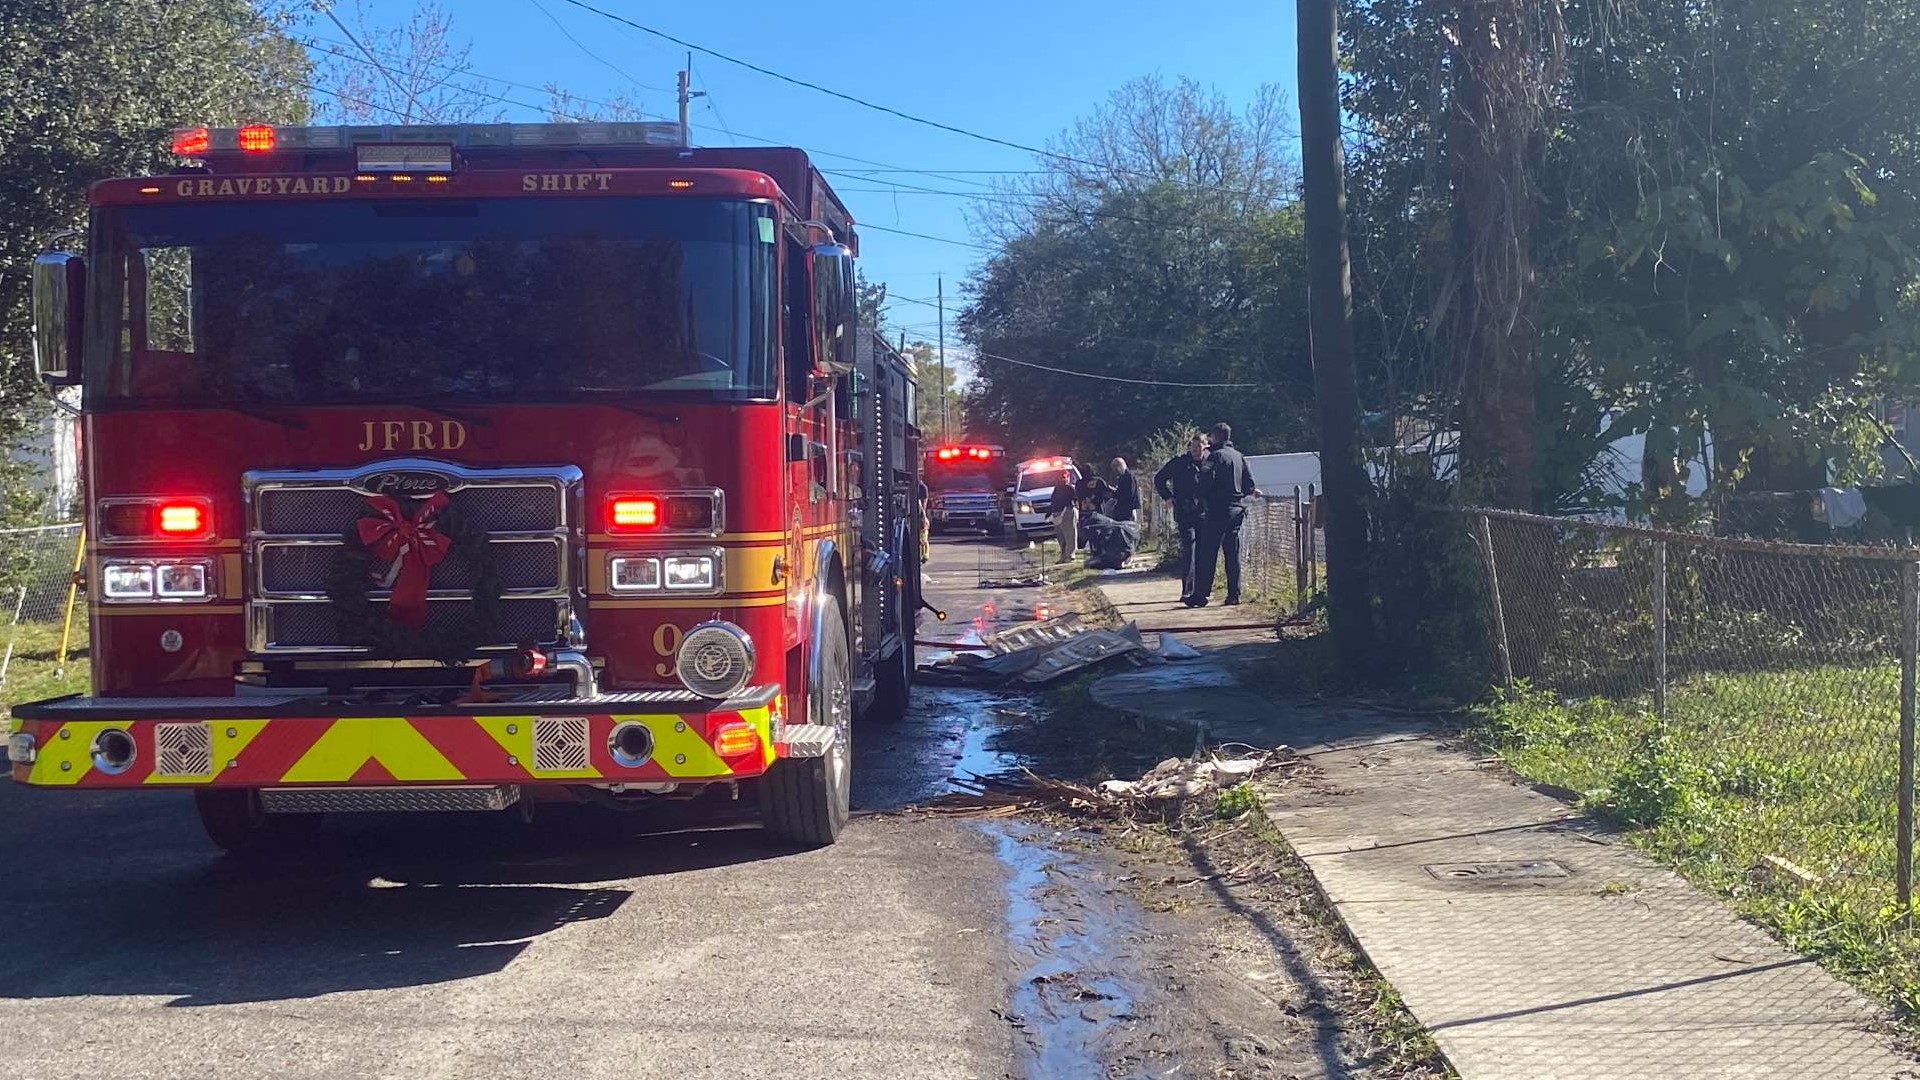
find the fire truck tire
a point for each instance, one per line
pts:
(805, 801)
(234, 821)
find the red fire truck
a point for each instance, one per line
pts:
(467, 467)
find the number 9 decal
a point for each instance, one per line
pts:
(666, 642)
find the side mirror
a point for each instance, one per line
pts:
(833, 305)
(820, 466)
(59, 297)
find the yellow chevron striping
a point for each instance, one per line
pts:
(72, 748)
(390, 740)
(684, 754)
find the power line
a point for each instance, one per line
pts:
(877, 107)
(816, 87)
(977, 172)
(925, 236)
(604, 62)
(1117, 378)
(1015, 198)
(712, 106)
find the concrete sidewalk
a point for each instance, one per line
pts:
(1527, 938)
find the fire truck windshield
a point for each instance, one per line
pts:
(499, 298)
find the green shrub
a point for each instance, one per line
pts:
(1235, 801)
(1655, 785)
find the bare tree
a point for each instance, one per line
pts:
(564, 105)
(413, 72)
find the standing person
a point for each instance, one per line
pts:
(1126, 492)
(1228, 485)
(1063, 506)
(1178, 482)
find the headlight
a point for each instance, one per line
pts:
(181, 581)
(127, 580)
(715, 659)
(633, 573)
(134, 580)
(701, 572)
(690, 572)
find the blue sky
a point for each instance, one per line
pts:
(1016, 69)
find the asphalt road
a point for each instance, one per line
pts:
(453, 947)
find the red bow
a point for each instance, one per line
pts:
(413, 546)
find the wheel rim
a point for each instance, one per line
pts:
(840, 715)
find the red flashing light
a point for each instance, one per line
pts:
(633, 512)
(256, 138)
(193, 140)
(182, 519)
(978, 453)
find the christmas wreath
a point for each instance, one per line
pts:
(388, 548)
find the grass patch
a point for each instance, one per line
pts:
(1802, 765)
(31, 674)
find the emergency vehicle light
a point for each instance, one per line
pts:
(192, 140)
(146, 517)
(430, 144)
(182, 519)
(256, 138)
(735, 738)
(632, 512)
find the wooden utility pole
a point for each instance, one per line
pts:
(1349, 612)
(687, 94)
(941, 294)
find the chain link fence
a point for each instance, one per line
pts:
(1750, 702)
(1279, 559)
(37, 568)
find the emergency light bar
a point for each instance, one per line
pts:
(978, 453)
(416, 147)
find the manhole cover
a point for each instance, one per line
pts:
(1511, 870)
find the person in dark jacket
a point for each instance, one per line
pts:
(1126, 492)
(1178, 483)
(1224, 494)
(1063, 506)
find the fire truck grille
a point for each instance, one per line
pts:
(182, 750)
(560, 743)
(303, 569)
(300, 520)
(298, 511)
(313, 627)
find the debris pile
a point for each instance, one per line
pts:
(1040, 652)
(1173, 781)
